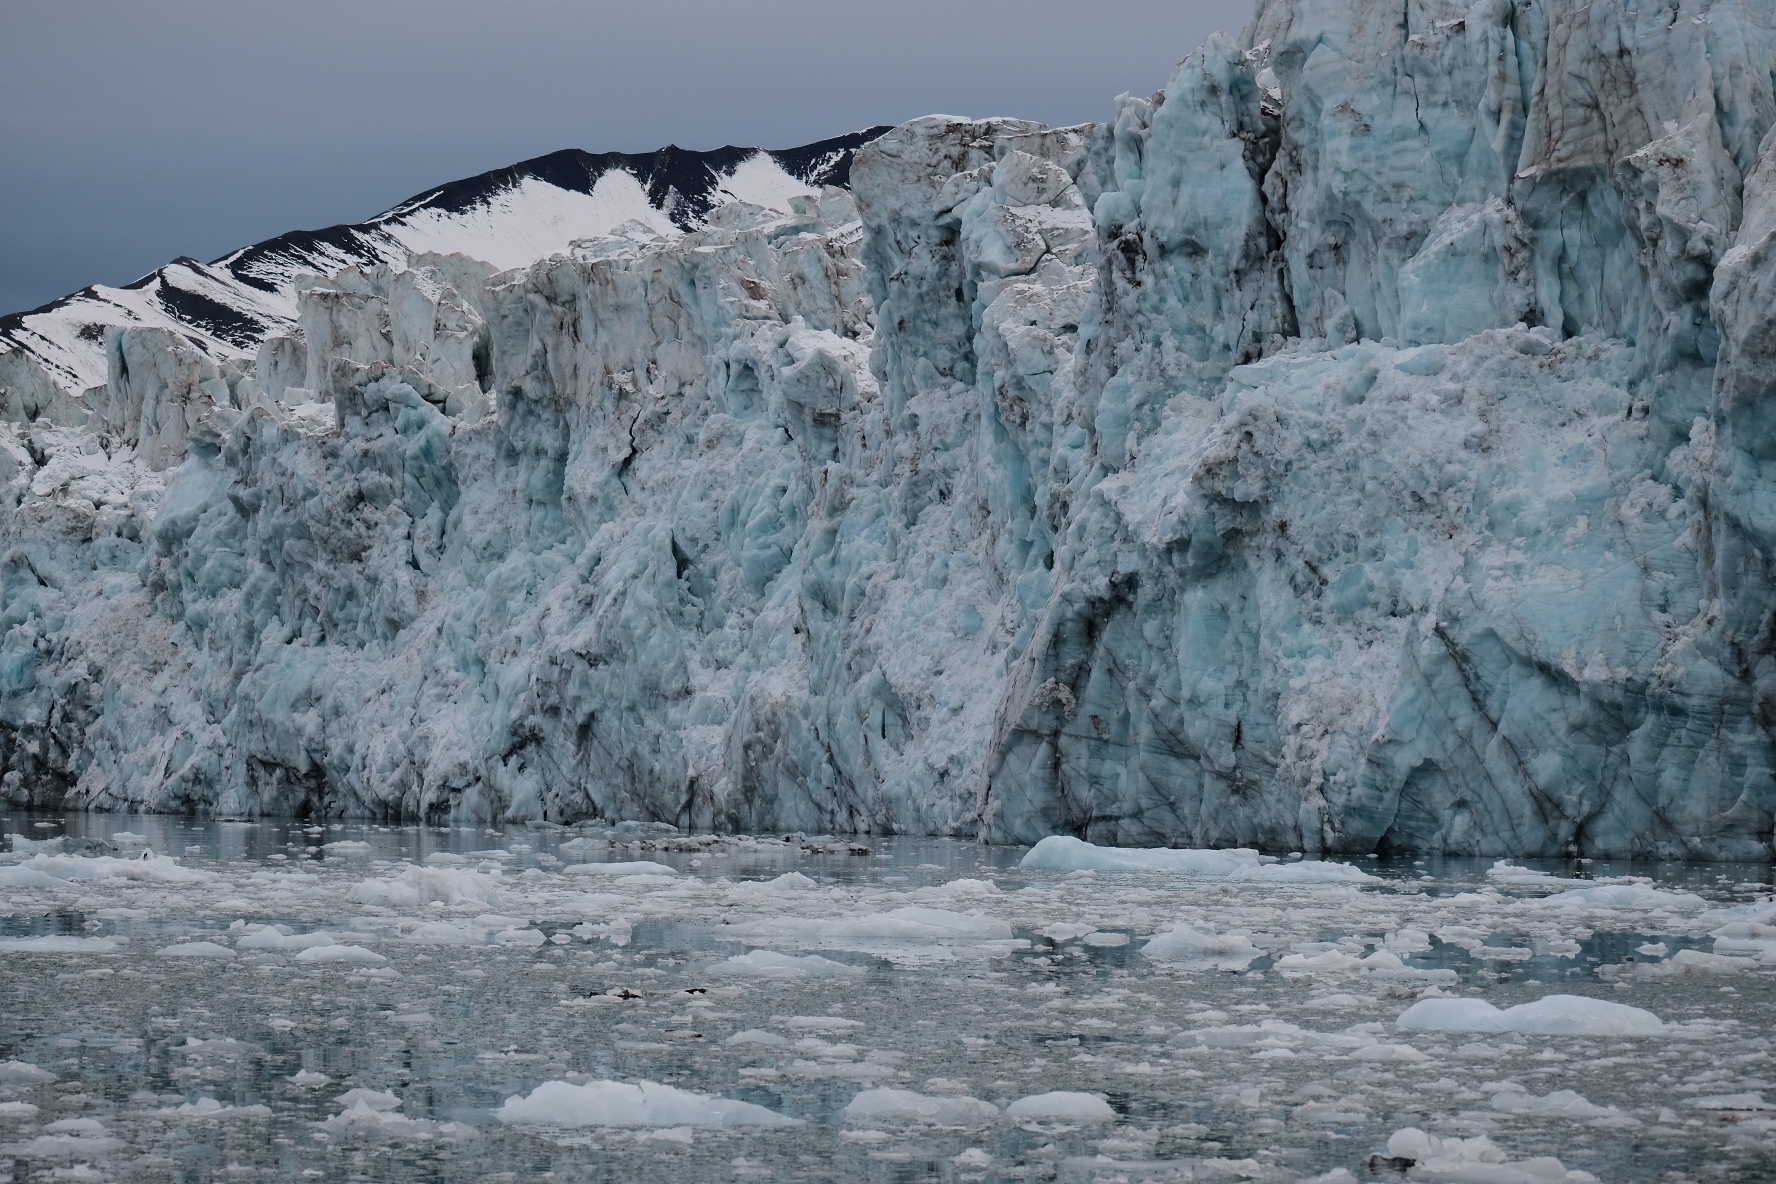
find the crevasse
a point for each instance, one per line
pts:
(1362, 444)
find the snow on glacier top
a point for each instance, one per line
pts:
(507, 217)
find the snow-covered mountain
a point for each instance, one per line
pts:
(1363, 444)
(508, 217)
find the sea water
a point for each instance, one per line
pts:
(195, 1000)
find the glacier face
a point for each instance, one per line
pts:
(1360, 444)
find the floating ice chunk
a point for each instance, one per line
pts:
(769, 964)
(373, 1112)
(346, 846)
(61, 944)
(1478, 1160)
(1381, 964)
(443, 859)
(820, 1023)
(1578, 1015)
(1746, 1102)
(640, 867)
(598, 902)
(1388, 1052)
(23, 1073)
(644, 1103)
(964, 889)
(308, 1079)
(1105, 939)
(20, 876)
(1653, 949)
(375, 1099)
(1308, 871)
(339, 954)
(1562, 1103)
(909, 933)
(1552, 1015)
(70, 1138)
(17, 1110)
(1332, 1001)
(1063, 1104)
(196, 949)
(788, 882)
(758, 1036)
(444, 933)
(1453, 1015)
(1623, 896)
(415, 885)
(45, 871)
(1506, 872)
(207, 1107)
(1694, 962)
(903, 1105)
(1191, 947)
(1064, 853)
(269, 937)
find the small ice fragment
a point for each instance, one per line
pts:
(758, 1036)
(308, 1079)
(1064, 1104)
(1656, 949)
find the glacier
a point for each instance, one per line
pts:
(1360, 445)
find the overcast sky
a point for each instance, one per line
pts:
(136, 131)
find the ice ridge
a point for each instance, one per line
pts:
(1360, 445)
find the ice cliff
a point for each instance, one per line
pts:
(1365, 443)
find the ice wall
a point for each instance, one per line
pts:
(1359, 444)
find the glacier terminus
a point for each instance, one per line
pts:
(1365, 444)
